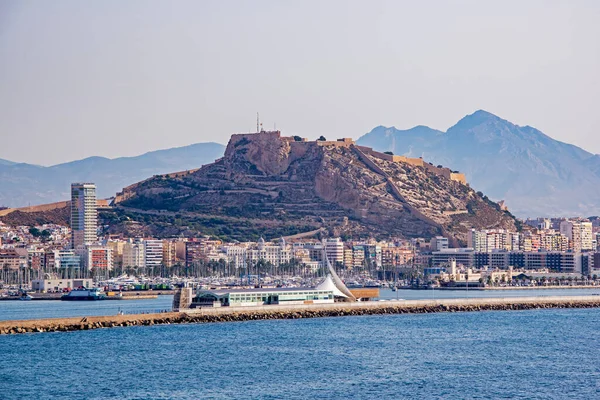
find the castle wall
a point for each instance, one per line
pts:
(236, 137)
(417, 162)
(333, 143)
(459, 177)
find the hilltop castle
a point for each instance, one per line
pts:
(296, 141)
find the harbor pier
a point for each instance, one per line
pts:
(297, 311)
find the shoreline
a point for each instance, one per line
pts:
(238, 314)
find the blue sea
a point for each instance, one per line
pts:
(534, 354)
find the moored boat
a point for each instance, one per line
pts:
(82, 294)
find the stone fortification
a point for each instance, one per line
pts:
(417, 162)
(348, 142)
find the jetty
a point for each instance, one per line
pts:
(297, 311)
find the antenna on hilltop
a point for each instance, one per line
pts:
(257, 123)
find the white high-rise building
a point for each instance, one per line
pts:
(477, 240)
(334, 249)
(84, 215)
(587, 236)
(579, 233)
(153, 253)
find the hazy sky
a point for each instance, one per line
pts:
(117, 78)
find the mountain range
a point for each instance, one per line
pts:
(24, 184)
(535, 174)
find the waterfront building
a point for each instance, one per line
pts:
(315, 249)
(13, 259)
(551, 240)
(588, 264)
(276, 254)
(199, 250)
(36, 258)
(579, 233)
(98, 258)
(194, 252)
(373, 255)
(262, 296)
(67, 263)
(394, 256)
(567, 262)
(84, 214)
(116, 247)
(358, 256)
(180, 246)
(462, 256)
(58, 285)
(348, 258)
(134, 254)
(153, 254)
(493, 239)
(439, 243)
(477, 240)
(169, 253)
(334, 250)
(236, 254)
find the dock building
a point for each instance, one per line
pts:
(262, 296)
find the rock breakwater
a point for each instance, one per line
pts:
(291, 312)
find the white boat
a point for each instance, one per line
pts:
(84, 294)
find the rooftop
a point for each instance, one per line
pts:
(221, 292)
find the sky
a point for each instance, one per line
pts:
(119, 78)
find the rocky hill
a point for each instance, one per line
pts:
(59, 216)
(535, 174)
(268, 185)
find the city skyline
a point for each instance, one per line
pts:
(160, 76)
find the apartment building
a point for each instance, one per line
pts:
(153, 253)
(134, 254)
(84, 214)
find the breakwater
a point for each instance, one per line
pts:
(238, 314)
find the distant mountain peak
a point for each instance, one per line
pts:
(479, 117)
(536, 174)
(484, 113)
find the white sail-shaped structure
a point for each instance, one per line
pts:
(328, 284)
(337, 282)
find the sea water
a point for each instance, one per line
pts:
(534, 354)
